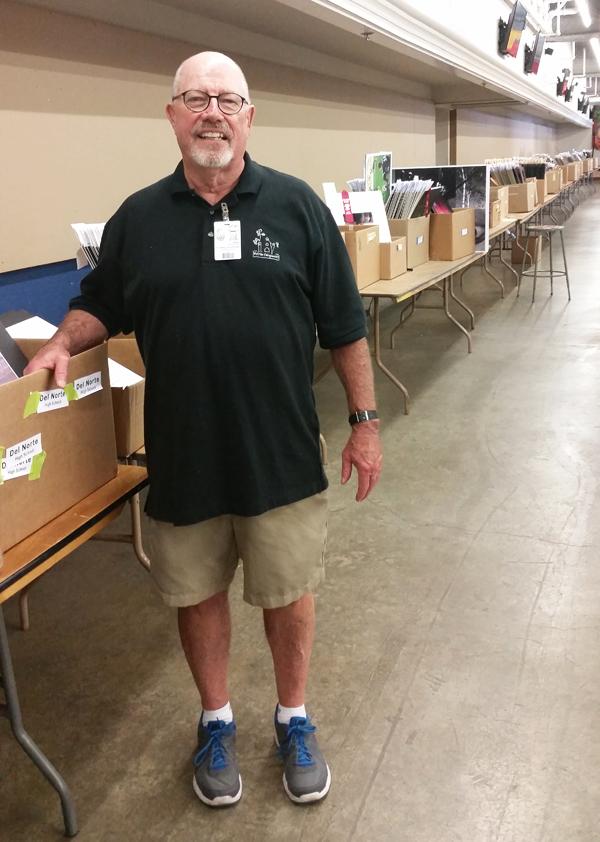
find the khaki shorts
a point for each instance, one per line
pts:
(282, 552)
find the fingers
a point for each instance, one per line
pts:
(56, 361)
(367, 480)
(346, 467)
(60, 371)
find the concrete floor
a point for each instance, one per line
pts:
(456, 677)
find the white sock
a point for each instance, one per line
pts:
(285, 714)
(225, 714)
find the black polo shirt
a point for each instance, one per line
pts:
(230, 420)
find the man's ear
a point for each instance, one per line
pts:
(170, 112)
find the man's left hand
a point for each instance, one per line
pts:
(363, 451)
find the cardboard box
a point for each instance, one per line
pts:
(533, 250)
(416, 232)
(542, 190)
(495, 213)
(392, 258)
(362, 242)
(588, 165)
(500, 194)
(58, 446)
(522, 198)
(554, 179)
(452, 235)
(572, 171)
(128, 401)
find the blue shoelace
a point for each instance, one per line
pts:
(297, 728)
(217, 730)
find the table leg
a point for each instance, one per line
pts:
(136, 531)
(13, 711)
(503, 261)
(410, 309)
(485, 264)
(462, 304)
(447, 287)
(378, 360)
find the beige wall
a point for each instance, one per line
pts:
(570, 137)
(481, 135)
(82, 125)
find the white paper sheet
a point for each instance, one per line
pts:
(33, 328)
(120, 377)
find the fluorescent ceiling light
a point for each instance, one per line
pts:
(595, 45)
(584, 12)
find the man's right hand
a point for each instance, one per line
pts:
(78, 331)
(54, 357)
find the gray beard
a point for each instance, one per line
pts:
(212, 160)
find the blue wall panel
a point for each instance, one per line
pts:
(42, 290)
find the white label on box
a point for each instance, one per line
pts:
(464, 232)
(398, 246)
(89, 384)
(419, 239)
(371, 235)
(54, 399)
(17, 461)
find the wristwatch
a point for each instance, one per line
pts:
(361, 415)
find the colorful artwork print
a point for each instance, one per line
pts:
(458, 187)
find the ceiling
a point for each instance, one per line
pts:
(569, 27)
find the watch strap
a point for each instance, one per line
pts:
(362, 415)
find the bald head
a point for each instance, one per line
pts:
(207, 64)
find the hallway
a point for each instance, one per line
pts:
(456, 674)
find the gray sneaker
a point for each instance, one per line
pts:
(217, 781)
(306, 776)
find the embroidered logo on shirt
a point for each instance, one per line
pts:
(264, 247)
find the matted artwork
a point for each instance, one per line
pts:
(463, 186)
(378, 173)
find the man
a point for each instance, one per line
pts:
(223, 270)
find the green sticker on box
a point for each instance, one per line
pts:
(37, 463)
(31, 406)
(71, 392)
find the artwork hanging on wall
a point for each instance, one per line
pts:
(509, 34)
(459, 186)
(596, 129)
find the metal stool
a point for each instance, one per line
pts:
(544, 231)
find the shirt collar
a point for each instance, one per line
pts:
(249, 181)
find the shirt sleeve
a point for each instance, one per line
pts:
(337, 305)
(101, 292)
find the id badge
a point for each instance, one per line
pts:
(228, 240)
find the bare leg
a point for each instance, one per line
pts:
(205, 631)
(290, 631)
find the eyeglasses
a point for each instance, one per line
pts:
(199, 101)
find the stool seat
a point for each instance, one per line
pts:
(545, 227)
